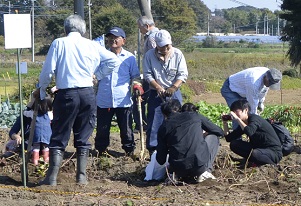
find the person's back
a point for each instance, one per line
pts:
(264, 136)
(74, 54)
(187, 148)
(73, 60)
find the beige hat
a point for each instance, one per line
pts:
(163, 38)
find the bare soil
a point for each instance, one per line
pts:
(119, 180)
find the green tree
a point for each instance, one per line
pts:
(219, 24)
(131, 5)
(115, 15)
(201, 12)
(292, 31)
(238, 18)
(176, 17)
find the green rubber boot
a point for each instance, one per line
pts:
(55, 160)
(82, 160)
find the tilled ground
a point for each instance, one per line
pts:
(118, 180)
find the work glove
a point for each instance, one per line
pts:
(138, 89)
(170, 91)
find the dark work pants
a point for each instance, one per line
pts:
(230, 97)
(73, 109)
(259, 156)
(155, 101)
(193, 172)
(124, 121)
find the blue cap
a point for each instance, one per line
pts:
(116, 31)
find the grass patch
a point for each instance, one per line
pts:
(207, 66)
(290, 83)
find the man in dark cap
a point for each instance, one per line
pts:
(114, 95)
(251, 84)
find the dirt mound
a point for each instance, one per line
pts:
(118, 180)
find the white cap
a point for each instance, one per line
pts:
(163, 38)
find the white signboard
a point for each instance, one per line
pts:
(23, 67)
(17, 31)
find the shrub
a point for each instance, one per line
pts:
(1, 40)
(43, 50)
(187, 93)
(210, 42)
(291, 73)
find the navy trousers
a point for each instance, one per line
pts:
(260, 156)
(124, 121)
(73, 109)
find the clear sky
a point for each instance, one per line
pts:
(225, 4)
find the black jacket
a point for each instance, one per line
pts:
(261, 134)
(181, 136)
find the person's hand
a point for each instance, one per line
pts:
(226, 117)
(260, 107)
(17, 137)
(170, 91)
(234, 116)
(138, 89)
(54, 89)
(160, 91)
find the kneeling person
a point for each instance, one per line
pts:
(264, 146)
(181, 136)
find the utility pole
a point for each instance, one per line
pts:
(145, 8)
(272, 30)
(79, 8)
(267, 25)
(208, 29)
(90, 24)
(149, 5)
(264, 24)
(32, 30)
(256, 29)
(278, 29)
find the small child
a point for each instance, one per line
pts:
(42, 131)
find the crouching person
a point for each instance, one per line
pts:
(181, 136)
(264, 146)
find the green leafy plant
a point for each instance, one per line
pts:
(213, 111)
(290, 116)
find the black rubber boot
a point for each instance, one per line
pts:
(82, 160)
(55, 160)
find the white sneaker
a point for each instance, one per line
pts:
(204, 176)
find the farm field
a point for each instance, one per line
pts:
(119, 180)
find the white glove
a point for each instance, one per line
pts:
(260, 107)
(53, 89)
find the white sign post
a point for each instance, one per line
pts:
(17, 34)
(22, 66)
